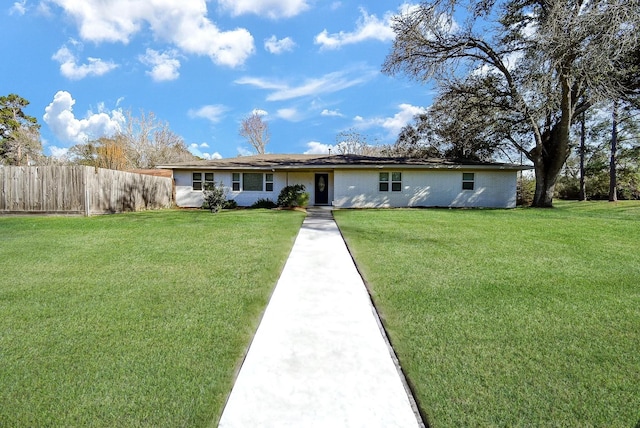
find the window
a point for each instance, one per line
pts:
(235, 181)
(252, 181)
(468, 179)
(384, 182)
(208, 179)
(396, 182)
(268, 179)
(196, 181)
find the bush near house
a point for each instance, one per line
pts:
(264, 203)
(293, 196)
(215, 197)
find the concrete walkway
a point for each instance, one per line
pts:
(319, 358)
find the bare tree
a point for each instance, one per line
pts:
(256, 131)
(24, 147)
(144, 143)
(351, 142)
(548, 62)
(151, 142)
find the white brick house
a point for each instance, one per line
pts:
(350, 181)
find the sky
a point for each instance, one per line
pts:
(311, 68)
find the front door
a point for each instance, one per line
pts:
(322, 189)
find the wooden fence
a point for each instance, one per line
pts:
(79, 190)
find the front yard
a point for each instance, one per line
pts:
(510, 317)
(135, 319)
(499, 317)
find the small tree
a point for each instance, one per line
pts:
(215, 197)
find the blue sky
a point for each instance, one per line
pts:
(311, 67)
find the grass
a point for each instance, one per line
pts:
(520, 317)
(137, 319)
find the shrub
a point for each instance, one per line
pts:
(230, 205)
(264, 203)
(526, 188)
(215, 197)
(303, 199)
(290, 196)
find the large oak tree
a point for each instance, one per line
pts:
(532, 65)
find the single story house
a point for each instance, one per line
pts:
(351, 181)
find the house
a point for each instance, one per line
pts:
(351, 181)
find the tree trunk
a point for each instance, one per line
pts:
(552, 151)
(613, 193)
(546, 178)
(548, 165)
(582, 195)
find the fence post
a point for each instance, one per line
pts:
(87, 193)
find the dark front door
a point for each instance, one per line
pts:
(322, 189)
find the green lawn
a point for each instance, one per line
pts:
(520, 317)
(136, 319)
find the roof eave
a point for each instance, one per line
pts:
(509, 167)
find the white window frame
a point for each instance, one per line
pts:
(268, 182)
(236, 183)
(261, 182)
(198, 187)
(397, 181)
(203, 180)
(393, 184)
(206, 181)
(468, 181)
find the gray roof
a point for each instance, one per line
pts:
(320, 162)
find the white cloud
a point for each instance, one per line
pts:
(18, 8)
(399, 120)
(368, 27)
(195, 149)
(44, 9)
(290, 114)
(70, 68)
(316, 148)
(392, 124)
(242, 151)
(276, 47)
(273, 9)
(259, 112)
(331, 113)
(329, 83)
(164, 66)
(336, 5)
(58, 152)
(184, 24)
(213, 113)
(66, 127)
(261, 83)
